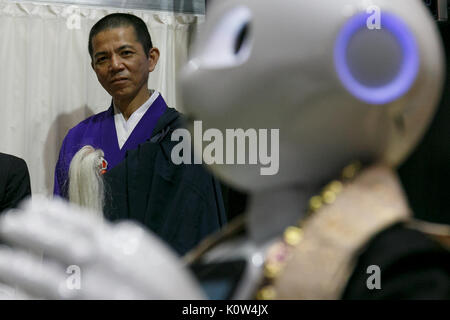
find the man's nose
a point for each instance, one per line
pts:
(116, 63)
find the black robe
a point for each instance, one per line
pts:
(180, 203)
(14, 181)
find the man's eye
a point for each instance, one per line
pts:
(101, 59)
(127, 53)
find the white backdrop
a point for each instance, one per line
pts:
(47, 84)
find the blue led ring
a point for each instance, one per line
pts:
(408, 70)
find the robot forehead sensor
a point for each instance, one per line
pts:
(229, 42)
(376, 64)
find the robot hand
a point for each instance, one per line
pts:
(85, 257)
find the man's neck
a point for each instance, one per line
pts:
(127, 106)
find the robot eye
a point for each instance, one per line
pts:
(380, 65)
(242, 36)
(229, 44)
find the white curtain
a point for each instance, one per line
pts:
(47, 84)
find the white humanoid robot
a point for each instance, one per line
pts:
(341, 81)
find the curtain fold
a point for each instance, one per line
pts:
(47, 84)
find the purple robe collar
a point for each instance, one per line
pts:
(141, 133)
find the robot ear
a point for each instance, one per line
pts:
(229, 44)
(376, 62)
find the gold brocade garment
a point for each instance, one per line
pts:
(320, 265)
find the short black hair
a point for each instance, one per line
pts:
(116, 20)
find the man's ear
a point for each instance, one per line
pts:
(153, 57)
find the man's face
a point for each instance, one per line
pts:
(120, 62)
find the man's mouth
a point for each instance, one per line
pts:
(119, 80)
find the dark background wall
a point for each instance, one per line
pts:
(426, 173)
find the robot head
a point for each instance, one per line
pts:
(341, 82)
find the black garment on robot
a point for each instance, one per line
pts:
(180, 203)
(413, 267)
(14, 181)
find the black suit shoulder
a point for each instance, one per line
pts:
(14, 181)
(10, 161)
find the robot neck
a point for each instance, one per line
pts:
(271, 211)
